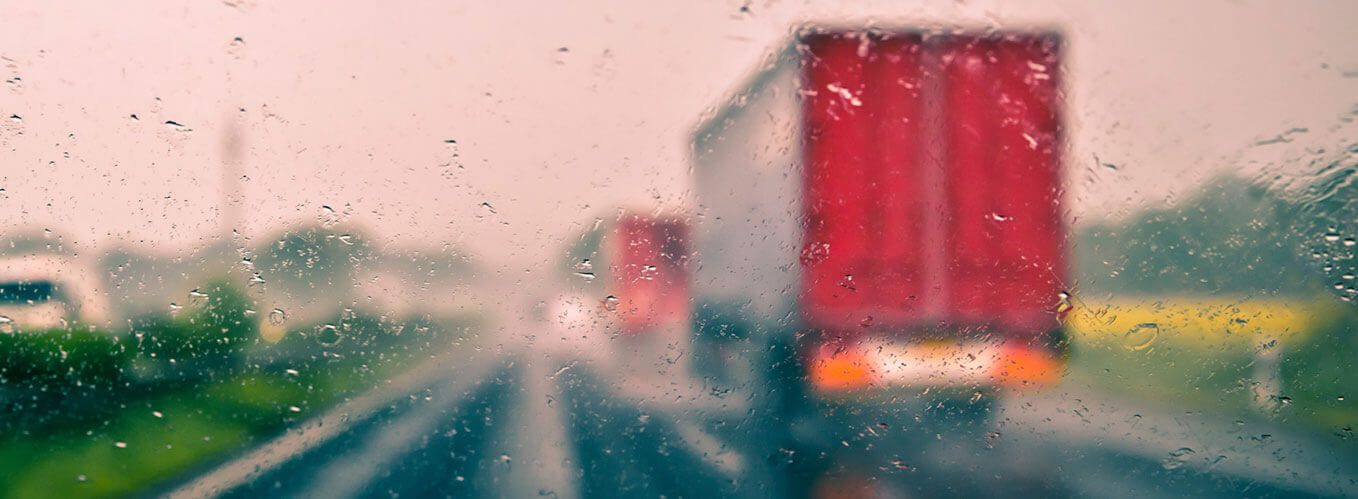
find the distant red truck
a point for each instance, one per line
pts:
(649, 272)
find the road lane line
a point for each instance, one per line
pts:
(350, 473)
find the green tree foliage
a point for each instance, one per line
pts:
(305, 259)
(61, 357)
(207, 338)
(1327, 214)
(1233, 237)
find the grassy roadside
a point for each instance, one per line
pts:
(162, 433)
(90, 413)
(1199, 354)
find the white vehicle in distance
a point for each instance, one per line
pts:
(46, 291)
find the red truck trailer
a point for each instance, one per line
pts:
(886, 205)
(897, 196)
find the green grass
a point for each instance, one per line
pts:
(90, 464)
(103, 414)
(196, 425)
(1186, 377)
(1318, 375)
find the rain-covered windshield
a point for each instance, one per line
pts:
(722, 249)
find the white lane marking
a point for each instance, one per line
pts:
(710, 448)
(540, 446)
(347, 476)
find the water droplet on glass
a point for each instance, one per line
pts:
(1063, 303)
(6, 325)
(1177, 458)
(277, 317)
(991, 438)
(611, 303)
(845, 94)
(1143, 335)
(328, 335)
(815, 253)
(120, 445)
(236, 46)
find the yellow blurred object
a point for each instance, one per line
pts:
(270, 332)
(1144, 323)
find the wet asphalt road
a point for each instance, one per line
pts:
(526, 422)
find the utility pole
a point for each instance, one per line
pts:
(232, 154)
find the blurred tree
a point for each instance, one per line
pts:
(313, 259)
(1327, 219)
(1233, 237)
(206, 340)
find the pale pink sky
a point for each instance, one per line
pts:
(347, 105)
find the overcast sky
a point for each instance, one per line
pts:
(561, 110)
